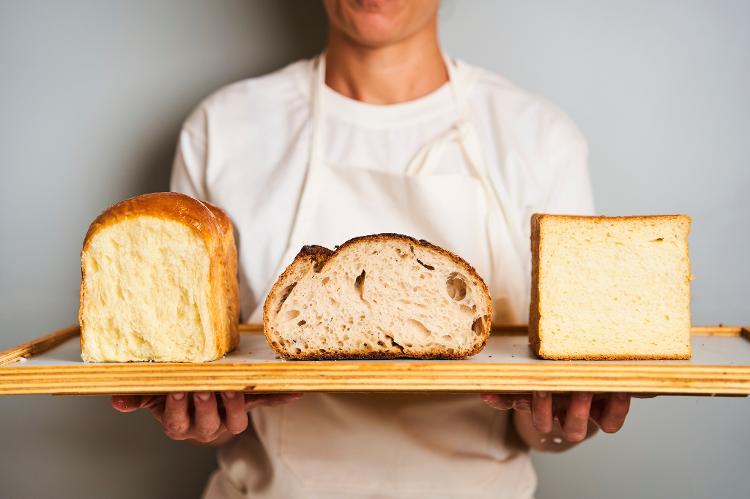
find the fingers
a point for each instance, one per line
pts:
(207, 419)
(126, 403)
(236, 413)
(615, 410)
(541, 411)
(501, 402)
(175, 418)
(130, 403)
(575, 427)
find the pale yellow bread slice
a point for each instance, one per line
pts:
(159, 282)
(610, 287)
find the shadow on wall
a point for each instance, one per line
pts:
(299, 32)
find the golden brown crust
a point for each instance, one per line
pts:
(603, 218)
(676, 356)
(319, 256)
(211, 224)
(231, 293)
(164, 205)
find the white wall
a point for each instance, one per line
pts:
(92, 94)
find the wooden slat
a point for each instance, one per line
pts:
(38, 345)
(355, 376)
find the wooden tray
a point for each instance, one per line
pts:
(52, 365)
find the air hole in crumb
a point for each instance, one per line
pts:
(393, 342)
(359, 284)
(466, 309)
(456, 286)
(419, 327)
(478, 325)
(657, 240)
(284, 295)
(302, 323)
(325, 280)
(297, 350)
(291, 314)
(447, 337)
(425, 265)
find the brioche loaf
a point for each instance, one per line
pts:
(610, 287)
(378, 296)
(159, 282)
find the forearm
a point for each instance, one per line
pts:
(545, 442)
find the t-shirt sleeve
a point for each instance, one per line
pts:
(190, 162)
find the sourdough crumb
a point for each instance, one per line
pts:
(378, 296)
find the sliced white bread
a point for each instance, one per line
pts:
(610, 287)
(159, 282)
(378, 296)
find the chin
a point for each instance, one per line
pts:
(376, 23)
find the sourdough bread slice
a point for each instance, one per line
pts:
(610, 287)
(378, 296)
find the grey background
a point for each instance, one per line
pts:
(92, 94)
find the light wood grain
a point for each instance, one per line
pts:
(671, 377)
(38, 345)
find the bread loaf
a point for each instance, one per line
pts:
(378, 296)
(610, 287)
(159, 282)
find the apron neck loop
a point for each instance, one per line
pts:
(316, 109)
(317, 97)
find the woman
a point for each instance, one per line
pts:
(360, 140)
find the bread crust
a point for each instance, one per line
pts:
(534, 313)
(212, 225)
(318, 257)
(231, 292)
(535, 305)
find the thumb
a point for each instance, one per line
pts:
(126, 403)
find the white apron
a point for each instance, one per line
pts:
(397, 445)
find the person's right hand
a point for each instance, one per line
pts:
(205, 420)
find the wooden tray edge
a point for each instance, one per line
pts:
(51, 340)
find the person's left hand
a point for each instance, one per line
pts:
(572, 411)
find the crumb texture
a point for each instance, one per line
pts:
(378, 296)
(610, 288)
(158, 286)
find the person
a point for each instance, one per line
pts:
(382, 133)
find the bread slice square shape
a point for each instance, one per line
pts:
(378, 296)
(159, 282)
(606, 288)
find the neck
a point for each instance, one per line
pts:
(404, 71)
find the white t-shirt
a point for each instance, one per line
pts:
(246, 148)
